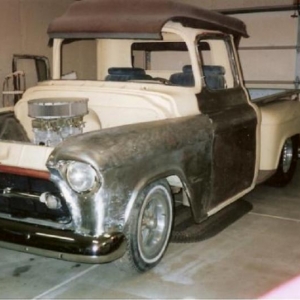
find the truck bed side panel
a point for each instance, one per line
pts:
(280, 120)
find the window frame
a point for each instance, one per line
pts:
(228, 41)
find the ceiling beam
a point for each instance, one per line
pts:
(258, 9)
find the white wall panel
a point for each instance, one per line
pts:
(274, 30)
(10, 25)
(23, 29)
(270, 29)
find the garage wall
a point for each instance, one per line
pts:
(269, 54)
(260, 59)
(23, 27)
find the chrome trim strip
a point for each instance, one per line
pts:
(63, 225)
(61, 244)
(11, 193)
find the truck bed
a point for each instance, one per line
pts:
(280, 118)
(263, 96)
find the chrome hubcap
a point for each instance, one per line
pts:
(287, 155)
(154, 224)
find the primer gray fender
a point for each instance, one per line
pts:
(130, 157)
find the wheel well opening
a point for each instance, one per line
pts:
(182, 208)
(287, 163)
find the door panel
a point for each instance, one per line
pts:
(234, 120)
(234, 144)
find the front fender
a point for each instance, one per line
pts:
(129, 157)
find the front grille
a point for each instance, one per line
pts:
(24, 207)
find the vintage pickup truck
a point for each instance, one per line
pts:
(90, 168)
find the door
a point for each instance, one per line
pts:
(234, 120)
(34, 68)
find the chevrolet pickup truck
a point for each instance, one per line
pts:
(90, 168)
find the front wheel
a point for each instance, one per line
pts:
(287, 163)
(149, 228)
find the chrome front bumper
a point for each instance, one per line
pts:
(61, 244)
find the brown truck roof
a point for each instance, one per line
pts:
(136, 19)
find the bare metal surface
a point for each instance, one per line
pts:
(127, 159)
(234, 147)
(135, 18)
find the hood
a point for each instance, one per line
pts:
(113, 104)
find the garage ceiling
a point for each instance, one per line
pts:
(242, 4)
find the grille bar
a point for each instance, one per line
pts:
(20, 198)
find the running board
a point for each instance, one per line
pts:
(187, 231)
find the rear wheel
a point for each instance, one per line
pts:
(287, 163)
(149, 228)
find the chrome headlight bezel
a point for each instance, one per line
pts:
(81, 177)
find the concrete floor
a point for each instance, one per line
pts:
(252, 256)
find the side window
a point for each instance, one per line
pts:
(218, 64)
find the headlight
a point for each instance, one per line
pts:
(81, 177)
